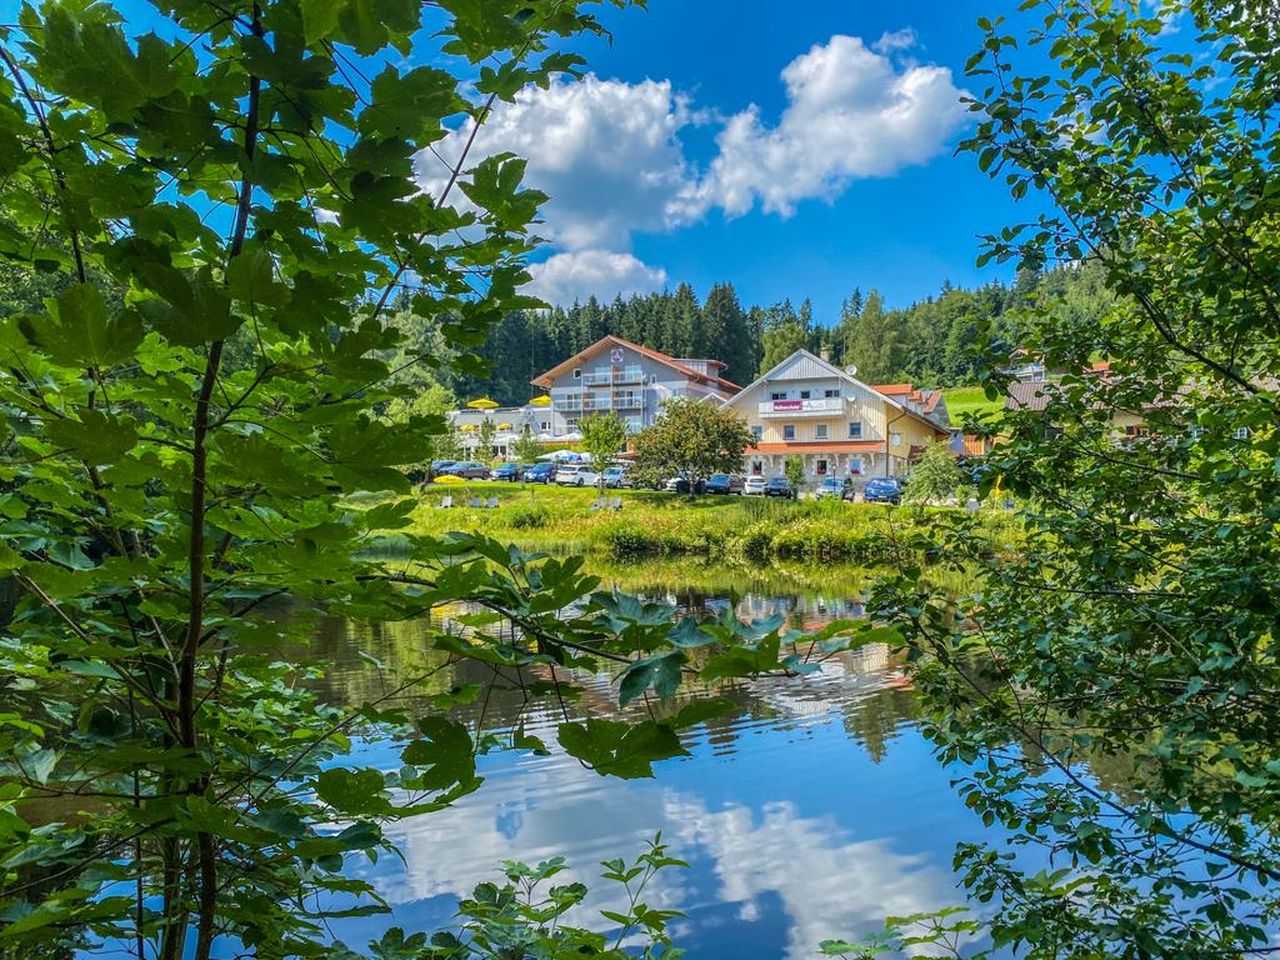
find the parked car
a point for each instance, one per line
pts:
(542, 472)
(616, 478)
(576, 475)
(754, 485)
(468, 470)
(511, 472)
(780, 487)
(680, 484)
(440, 466)
(724, 483)
(883, 490)
(835, 488)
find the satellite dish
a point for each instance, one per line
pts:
(851, 370)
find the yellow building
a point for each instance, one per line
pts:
(841, 426)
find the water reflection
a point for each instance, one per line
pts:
(811, 811)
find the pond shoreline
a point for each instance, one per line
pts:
(650, 524)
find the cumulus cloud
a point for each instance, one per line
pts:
(606, 152)
(610, 155)
(851, 113)
(579, 274)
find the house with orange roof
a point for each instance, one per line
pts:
(839, 425)
(628, 379)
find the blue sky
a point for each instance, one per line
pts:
(795, 150)
(901, 216)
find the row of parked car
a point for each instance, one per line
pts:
(565, 474)
(875, 490)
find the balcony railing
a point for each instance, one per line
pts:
(817, 406)
(612, 377)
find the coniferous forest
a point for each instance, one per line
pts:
(930, 342)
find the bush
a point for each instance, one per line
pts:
(529, 518)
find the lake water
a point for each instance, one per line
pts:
(811, 812)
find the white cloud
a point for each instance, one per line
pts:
(606, 152)
(851, 114)
(579, 274)
(891, 40)
(609, 153)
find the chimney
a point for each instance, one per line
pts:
(825, 354)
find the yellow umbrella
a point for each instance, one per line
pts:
(448, 479)
(484, 403)
(468, 428)
(504, 426)
(542, 401)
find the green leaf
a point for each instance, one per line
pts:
(77, 330)
(445, 755)
(662, 672)
(354, 792)
(619, 749)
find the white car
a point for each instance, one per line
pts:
(754, 485)
(576, 475)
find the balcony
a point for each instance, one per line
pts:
(628, 401)
(609, 378)
(817, 407)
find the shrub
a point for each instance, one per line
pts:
(529, 518)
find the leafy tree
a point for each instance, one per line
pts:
(793, 470)
(485, 433)
(873, 342)
(1136, 626)
(693, 439)
(781, 342)
(526, 449)
(604, 436)
(935, 476)
(237, 178)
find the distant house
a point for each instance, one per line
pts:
(628, 379)
(841, 426)
(1126, 423)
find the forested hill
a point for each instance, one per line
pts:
(929, 342)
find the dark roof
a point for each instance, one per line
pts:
(1029, 396)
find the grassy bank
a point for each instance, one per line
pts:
(652, 524)
(964, 400)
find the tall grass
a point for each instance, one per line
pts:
(652, 524)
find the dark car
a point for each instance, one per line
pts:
(680, 484)
(511, 472)
(468, 470)
(724, 483)
(883, 490)
(441, 466)
(780, 487)
(835, 488)
(539, 473)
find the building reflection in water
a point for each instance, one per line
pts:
(810, 811)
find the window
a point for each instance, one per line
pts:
(895, 439)
(830, 392)
(855, 465)
(820, 431)
(577, 374)
(778, 395)
(544, 426)
(789, 432)
(1241, 433)
(757, 431)
(804, 394)
(855, 429)
(757, 468)
(821, 468)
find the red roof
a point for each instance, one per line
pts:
(892, 389)
(544, 380)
